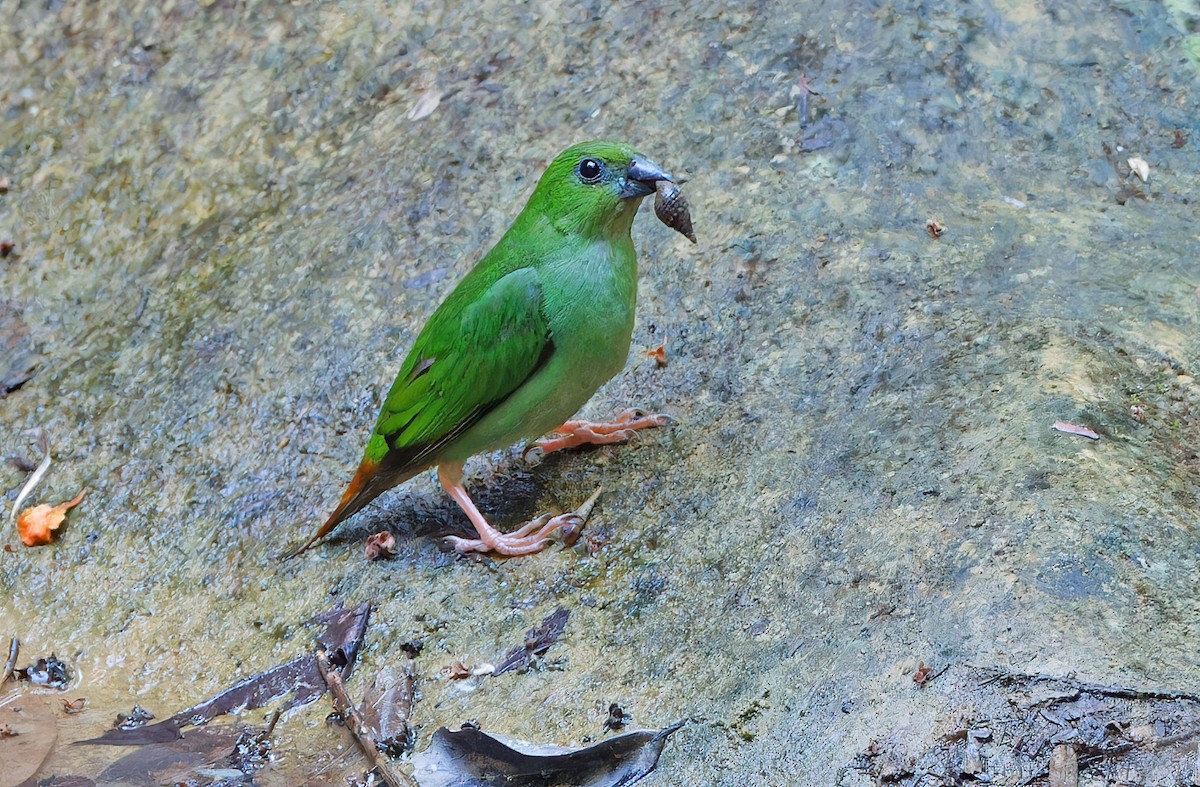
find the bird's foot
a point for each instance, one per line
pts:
(618, 430)
(533, 536)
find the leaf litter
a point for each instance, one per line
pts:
(381, 724)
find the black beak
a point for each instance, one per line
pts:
(641, 178)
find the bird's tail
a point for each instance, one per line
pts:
(368, 483)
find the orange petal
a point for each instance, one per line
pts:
(35, 525)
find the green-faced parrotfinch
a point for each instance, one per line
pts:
(523, 341)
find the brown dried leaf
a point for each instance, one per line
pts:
(537, 641)
(36, 525)
(32, 732)
(74, 706)
(380, 545)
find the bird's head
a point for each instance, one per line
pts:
(594, 189)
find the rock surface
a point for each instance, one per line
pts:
(233, 217)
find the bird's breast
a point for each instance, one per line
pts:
(591, 311)
(589, 300)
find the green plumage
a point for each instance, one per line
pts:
(536, 327)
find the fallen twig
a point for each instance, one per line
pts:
(358, 726)
(1119, 692)
(14, 648)
(585, 510)
(272, 722)
(33, 480)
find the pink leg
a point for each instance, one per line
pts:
(533, 536)
(620, 429)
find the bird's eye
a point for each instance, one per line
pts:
(590, 170)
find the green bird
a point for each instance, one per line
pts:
(539, 324)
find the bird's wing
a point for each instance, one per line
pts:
(460, 369)
(476, 349)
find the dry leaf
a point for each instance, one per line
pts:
(387, 708)
(471, 756)
(659, 355)
(32, 731)
(381, 545)
(36, 525)
(1068, 428)
(537, 641)
(75, 705)
(425, 105)
(300, 678)
(1140, 168)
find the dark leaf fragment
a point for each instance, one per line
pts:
(51, 673)
(172, 762)
(473, 758)
(137, 717)
(617, 718)
(387, 707)
(537, 641)
(300, 677)
(19, 355)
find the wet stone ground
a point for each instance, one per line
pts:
(228, 220)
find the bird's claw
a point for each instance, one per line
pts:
(618, 430)
(643, 419)
(533, 536)
(570, 532)
(533, 455)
